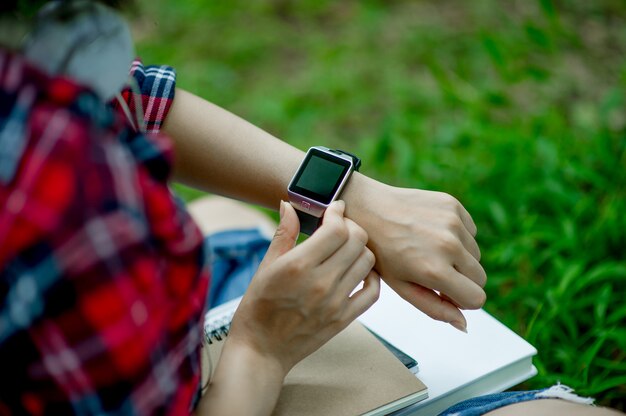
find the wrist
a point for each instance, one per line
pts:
(364, 196)
(367, 201)
(245, 382)
(271, 367)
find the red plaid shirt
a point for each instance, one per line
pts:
(102, 278)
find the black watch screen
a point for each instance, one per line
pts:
(319, 176)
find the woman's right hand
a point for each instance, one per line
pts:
(302, 296)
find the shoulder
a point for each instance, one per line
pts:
(75, 163)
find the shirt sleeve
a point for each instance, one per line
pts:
(150, 94)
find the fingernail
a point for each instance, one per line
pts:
(459, 325)
(341, 205)
(282, 209)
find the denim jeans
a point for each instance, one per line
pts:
(235, 256)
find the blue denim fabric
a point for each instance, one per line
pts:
(235, 256)
(480, 405)
(484, 404)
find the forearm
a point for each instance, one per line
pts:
(219, 152)
(244, 383)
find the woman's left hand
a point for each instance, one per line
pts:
(424, 246)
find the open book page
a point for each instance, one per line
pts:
(352, 374)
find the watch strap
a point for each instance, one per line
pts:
(308, 222)
(355, 160)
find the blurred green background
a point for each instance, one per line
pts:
(517, 108)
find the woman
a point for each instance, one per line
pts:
(103, 273)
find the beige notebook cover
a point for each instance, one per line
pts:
(352, 374)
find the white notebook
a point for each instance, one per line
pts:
(455, 366)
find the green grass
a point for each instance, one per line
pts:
(517, 108)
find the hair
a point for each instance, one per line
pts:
(26, 9)
(17, 17)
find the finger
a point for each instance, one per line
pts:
(468, 266)
(462, 290)
(443, 296)
(469, 242)
(331, 235)
(467, 219)
(357, 272)
(286, 234)
(365, 297)
(429, 302)
(342, 260)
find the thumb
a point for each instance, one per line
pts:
(286, 234)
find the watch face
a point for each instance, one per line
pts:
(320, 176)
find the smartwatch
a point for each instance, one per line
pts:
(319, 181)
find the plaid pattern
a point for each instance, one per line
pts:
(102, 282)
(156, 85)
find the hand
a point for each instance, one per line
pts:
(301, 296)
(424, 246)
